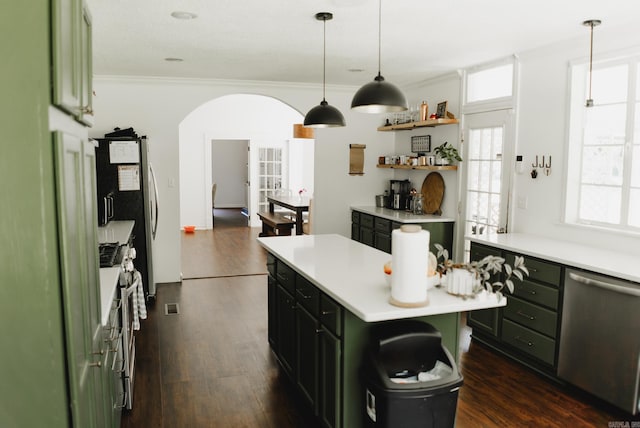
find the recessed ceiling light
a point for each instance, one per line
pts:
(173, 59)
(183, 15)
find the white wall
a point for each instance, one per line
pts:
(156, 107)
(229, 171)
(542, 130)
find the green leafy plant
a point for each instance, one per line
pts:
(448, 152)
(484, 269)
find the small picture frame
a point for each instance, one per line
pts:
(441, 111)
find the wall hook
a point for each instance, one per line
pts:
(535, 164)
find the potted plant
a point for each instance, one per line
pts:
(447, 154)
(471, 279)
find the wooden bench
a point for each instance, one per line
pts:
(275, 224)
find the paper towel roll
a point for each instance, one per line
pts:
(410, 261)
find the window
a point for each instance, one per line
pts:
(495, 82)
(603, 165)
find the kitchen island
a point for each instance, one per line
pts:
(326, 293)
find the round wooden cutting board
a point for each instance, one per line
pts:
(433, 192)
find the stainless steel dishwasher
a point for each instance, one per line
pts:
(600, 337)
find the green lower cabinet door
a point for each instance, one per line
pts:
(307, 328)
(484, 320)
(330, 380)
(286, 349)
(272, 323)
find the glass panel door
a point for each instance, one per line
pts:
(269, 176)
(488, 155)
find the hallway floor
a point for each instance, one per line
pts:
(210, 364)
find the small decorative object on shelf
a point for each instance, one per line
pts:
(471, 279)
(446, 154)
(441, 110)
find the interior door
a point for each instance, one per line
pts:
(488, 154)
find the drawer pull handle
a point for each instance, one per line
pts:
(532, 292)
(327, 312)
(319, 331)
(304, 296)
(522, 314)
(96, 364)
(526, 342)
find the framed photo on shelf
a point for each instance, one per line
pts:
(441, 111)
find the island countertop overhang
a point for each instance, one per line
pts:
(352, 274)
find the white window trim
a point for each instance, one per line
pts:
(569, 214)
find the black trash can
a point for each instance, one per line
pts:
(410, 378)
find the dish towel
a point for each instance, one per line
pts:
(139, 307)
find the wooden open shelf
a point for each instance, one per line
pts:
(422, 124)
(424, 167)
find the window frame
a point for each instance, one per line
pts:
(576, 112)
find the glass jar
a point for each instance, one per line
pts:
(418, 204)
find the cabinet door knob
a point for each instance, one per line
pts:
(96, 364)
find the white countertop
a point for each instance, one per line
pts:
(352, 274)
(613, 263)
(114, 231)
(402, 216)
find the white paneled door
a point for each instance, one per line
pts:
(488, 155)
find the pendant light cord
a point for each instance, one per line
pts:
(324, 57)
(591, 60)
(379, 35)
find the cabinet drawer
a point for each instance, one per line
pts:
(308, 295)
(382, 225)
(528, 341)
(285, 276)
(532, 316)
(331, 315)
(383, 242)
(540, 270)
(536, 293)
(366, 220)
(355, 217)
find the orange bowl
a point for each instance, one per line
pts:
(189, 229)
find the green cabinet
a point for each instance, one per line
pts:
(286, 322)
(304, 329)
(320, 345)
(376, 232)
(72, 58)
(526, 329)
(484, 320)
(307, 354)
(76, 199)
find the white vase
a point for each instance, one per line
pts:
(460, 282)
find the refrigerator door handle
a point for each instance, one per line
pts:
(155, 190)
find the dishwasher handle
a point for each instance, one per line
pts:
(632, 291)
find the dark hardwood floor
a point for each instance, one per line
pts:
(210, 364)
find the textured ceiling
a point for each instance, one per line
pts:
(280, 40)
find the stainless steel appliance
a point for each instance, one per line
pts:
(600, 340)
(125, 178)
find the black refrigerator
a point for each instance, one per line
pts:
(127, 190)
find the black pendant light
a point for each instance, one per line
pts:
(324, 115)
(379, 96)
(591, 23)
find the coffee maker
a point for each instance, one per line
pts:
(399, 194)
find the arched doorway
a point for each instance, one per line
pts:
(259, 123)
